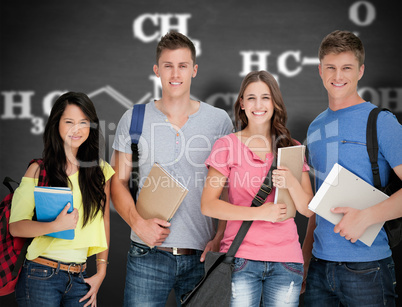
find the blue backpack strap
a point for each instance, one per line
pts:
(137, 121)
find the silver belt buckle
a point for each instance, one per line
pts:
(175, 251)
(74, 265)
(69, 267)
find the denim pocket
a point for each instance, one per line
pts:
(362, 267)
(138, 251)
(239, 264)
(39, 272)
(83, 275)
(296, 268)
(391, 269)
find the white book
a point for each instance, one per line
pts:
(342, 188)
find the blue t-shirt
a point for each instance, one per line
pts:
(340, 137)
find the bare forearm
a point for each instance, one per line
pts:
(301, 199)
(102, 257)
(102, 262)
(307, 247)
(31, 229)
(214, 204)
(302, 193)
(386, 210)
(221, 229)
(120, 192)
(223, 210)
(222, 223)
(123, 202)
(151, 231)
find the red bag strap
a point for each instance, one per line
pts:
(42, 181)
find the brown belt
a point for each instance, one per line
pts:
(71, 268)
(177, 251)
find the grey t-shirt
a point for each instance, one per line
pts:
(182, 153)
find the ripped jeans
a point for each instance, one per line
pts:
(272, 283)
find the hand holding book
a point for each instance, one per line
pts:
(158, 201)
(160, 195)
(272, 212)
(283, 178)
(152, 232)
(51, 203)
(352, 225)
(343, 188)
(67, 219)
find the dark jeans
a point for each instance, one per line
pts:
(350, 283)
(40, 285)
(152, 274)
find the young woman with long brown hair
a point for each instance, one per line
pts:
(269, 262)
(54, 271)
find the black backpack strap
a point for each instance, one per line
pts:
(7, 182)
(372, 145)
(21, 257)
(265, 189)
(259, 199)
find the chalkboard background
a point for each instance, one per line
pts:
(107, 49)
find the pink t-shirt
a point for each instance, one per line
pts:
(265, 241)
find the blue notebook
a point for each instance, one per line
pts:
(49, 202)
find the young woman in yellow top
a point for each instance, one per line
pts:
(54, 271)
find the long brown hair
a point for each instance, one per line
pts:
(279, 133)
(91, 178)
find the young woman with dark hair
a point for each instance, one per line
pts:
(54, 271)
(269, 262)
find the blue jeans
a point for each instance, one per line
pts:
(40, 285)
(350, 283)
(152, 274)
(276, 283)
